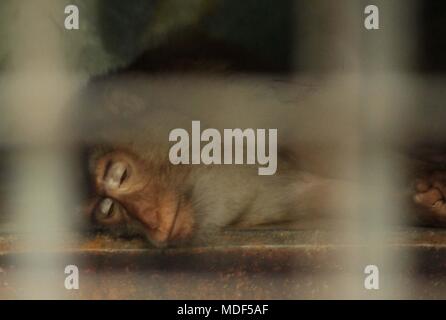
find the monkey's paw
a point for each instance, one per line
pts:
(430, 196)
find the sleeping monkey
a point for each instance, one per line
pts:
(136, 188)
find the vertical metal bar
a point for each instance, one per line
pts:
(328, 47)
(38, 88)
(384, 57)
(367, 67)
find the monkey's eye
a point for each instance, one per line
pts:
(108, 211)
(116, 173)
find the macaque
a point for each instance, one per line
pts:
(126, 119)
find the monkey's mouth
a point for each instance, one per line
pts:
(175, 224)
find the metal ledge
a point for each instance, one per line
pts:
(256, 264)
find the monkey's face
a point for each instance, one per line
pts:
(129, 189)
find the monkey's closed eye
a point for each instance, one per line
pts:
(108, 211)
(116, 173)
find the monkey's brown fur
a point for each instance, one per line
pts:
(128, 118)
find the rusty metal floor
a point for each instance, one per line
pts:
(256, 264)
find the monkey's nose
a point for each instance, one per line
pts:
(115, 175)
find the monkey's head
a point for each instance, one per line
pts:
(141, 194)
(135, 188)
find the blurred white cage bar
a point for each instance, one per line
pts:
(37, 86)
(383, 83)
(365, 59)
(38, 89)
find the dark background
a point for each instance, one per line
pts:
(255, 35)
